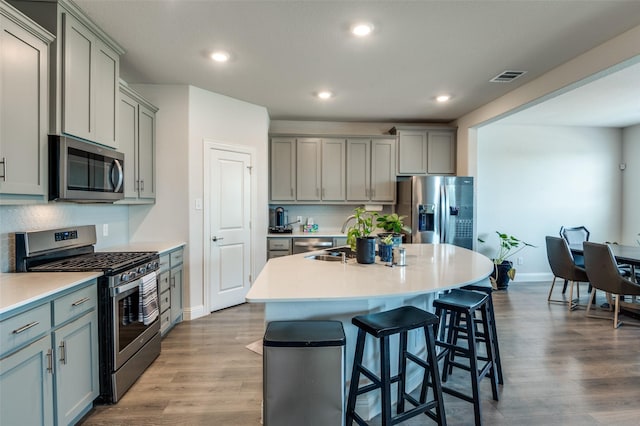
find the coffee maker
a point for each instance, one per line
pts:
(280, 222)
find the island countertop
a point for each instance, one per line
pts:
(430, 268)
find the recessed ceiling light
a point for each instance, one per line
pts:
(362, 30)
(443, 98)
(220, 56)
(325, 94)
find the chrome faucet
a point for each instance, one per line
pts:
(344, 225)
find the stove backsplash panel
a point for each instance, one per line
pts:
(46, 216)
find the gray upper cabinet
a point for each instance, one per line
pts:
(426, 151)
(282, 167)
(320, 169)
(332, 169)
(24, 62)
(84, 72)
(309, 169)
(137, 142)
(371, 170)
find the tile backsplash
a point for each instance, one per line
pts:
(47, 216)
(328, 217)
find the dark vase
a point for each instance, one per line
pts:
(384, 251)
(501, 274)
(366, 250)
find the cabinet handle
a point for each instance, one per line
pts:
(49, 361)
(63, 352)
(317, 192)
(142, 185)
(81, 301)
(291, 192)
(4, 169)
(323, 193)
(173, 282)
(25, 327)
(373, 193)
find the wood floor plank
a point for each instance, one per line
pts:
(560, 369)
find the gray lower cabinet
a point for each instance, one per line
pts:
(278, 247)
(49, 359)
(24, 59)
(170, 288)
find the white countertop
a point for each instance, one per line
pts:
(430, 268)
(22, 288)
(159, 246)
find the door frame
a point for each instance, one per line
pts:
(209, 144)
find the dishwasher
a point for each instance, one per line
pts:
(304, 244)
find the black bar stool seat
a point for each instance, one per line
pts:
(382, 325)
(458, 336)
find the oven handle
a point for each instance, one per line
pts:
(125, 287)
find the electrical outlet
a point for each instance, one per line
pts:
(520, 260)
(105, 230)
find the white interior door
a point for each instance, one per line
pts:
(230, 234)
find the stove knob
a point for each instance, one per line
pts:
(124, 277)
(141, 270)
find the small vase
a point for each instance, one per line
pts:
(501, 274)
(397, 239)
(366, 250)
(384, 251)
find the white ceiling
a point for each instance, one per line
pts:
(285, 51)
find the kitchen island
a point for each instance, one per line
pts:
(298, 287)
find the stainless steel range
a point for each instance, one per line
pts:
(129, 325)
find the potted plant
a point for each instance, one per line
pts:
(359, 236)
(393, 223)
(385, 246)
(503, 269)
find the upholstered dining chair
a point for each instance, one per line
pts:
(575, 236)
(604, 275)
(563, 266)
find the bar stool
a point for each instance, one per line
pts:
(453, 308)
(382, 325)
(492, 324)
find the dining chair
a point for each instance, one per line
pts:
(563, 266)
(574, 236)
(604, 275)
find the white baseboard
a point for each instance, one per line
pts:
(194, 313)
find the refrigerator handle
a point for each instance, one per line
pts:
(443, 212)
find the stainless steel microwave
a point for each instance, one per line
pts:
(80, 171)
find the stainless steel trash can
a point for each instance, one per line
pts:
(303, 373)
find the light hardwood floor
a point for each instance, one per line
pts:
(560, 369)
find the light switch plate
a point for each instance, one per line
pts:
(105, 229)
(198, 203)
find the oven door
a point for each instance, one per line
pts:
(129, 332)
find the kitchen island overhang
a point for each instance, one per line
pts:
(300, 288)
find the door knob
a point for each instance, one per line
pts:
(217, 239)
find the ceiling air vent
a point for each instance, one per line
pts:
(506, 76)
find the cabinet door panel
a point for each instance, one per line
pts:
(176, 293)
(358, 169)
(383, 170)
(283, 169)
(441, 153)
(127, 132)
(76, 348)
(22, 110)
(146, 153)
(106, 90)
(333, 170)
(412, 152)
(308, 176)
(77, 100)
(26, 386)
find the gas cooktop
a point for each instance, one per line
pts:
(100, 261)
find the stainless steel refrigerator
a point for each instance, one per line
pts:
(439, 209)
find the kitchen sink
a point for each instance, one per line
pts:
(337, 251)
(325, 257)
